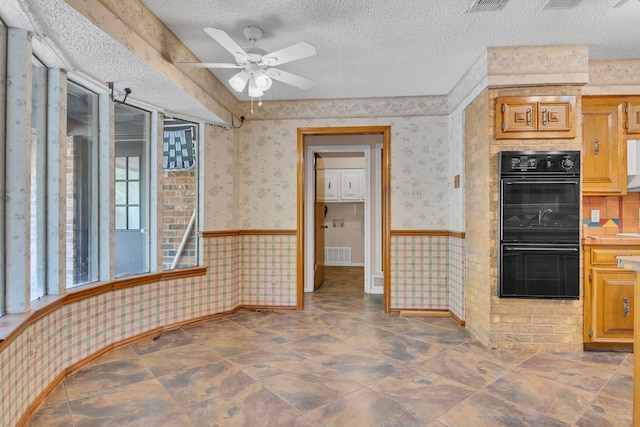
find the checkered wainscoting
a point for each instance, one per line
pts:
(268, 270)
(456, 276)
(222, 257)
(79, 329)
(427, 273)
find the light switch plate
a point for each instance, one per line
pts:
(595, 215)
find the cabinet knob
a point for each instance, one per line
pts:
(625, 307)
(528, 116)
(596, 146)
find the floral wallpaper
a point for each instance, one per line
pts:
(471, 84)
(613, 77)
(538, 65)
(217, 179)
(267, 165)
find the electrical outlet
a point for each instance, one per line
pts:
(416, 193)
(595, 215)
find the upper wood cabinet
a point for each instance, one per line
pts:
(604, 154)
(535, 117)
(632, 117)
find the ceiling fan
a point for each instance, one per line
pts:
(257, 65)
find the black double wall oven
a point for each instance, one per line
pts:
(539, 224)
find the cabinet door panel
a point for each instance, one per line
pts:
(554, 116)
(633, 117)
(350, 185)
(331, 182)
(604, 156)
(519, 116)
(613, 304)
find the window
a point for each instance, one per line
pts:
(180, 195)
(82, 186)
(3, 67)
(128, 193)
(131, 176)
(38, 221)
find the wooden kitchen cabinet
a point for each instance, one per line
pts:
(535, 117)
(604, 154)
(608, 295)
(632, 117)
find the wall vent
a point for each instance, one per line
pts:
(487, 5)
(378, 282)
(560, 4)
(337, 255)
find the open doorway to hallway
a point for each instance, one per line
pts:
(339, 185)
(343, 194)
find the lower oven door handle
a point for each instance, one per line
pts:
(541, 182)
(511, 248)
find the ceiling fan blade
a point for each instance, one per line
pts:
(288, 54)
(207, 65)
(289, 78)
(226, 42)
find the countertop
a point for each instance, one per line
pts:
(619, 240)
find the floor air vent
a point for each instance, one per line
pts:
(337, 255)
(377, 283)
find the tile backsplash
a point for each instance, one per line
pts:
(618, 214)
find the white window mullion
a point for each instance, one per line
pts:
(106, 187)
(56, 181)
(18, 171)
(155, 191)
(3, 39)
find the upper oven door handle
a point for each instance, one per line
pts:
(536, 248)
(528, 182)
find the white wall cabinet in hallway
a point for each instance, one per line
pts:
(343, 185)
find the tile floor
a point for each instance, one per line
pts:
(341, 362)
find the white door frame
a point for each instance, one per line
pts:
(309, 219)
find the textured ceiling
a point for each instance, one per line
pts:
(382, 48)
(366, 48)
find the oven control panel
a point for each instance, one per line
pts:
(539, 162)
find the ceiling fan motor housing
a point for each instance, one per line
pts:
(253, 34)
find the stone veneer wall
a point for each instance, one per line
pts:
(478, 218)
(504, 322)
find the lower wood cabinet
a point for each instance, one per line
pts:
(608, 295)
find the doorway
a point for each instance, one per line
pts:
(339, 227)
(307, 206)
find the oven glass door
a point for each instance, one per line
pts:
(539, 271)
(540, 210)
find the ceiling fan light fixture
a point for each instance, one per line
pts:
(239, 81)
(254, 90)
(263, 82)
